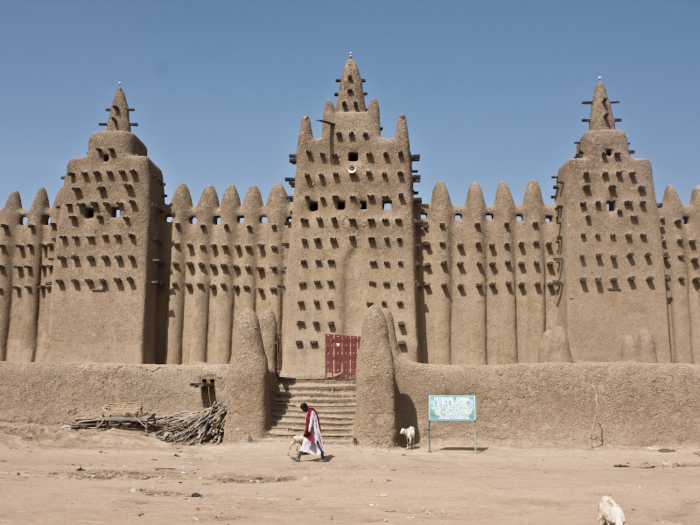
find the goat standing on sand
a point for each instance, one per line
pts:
(609, 512)
(410, 434)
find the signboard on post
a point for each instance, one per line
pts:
(451, 408)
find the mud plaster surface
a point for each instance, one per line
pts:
(525, 404)
(499, 485)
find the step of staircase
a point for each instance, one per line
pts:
(334, 400)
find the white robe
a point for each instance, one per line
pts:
(315, 445)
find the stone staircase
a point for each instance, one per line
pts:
(333, 400)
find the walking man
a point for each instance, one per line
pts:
(313, 442)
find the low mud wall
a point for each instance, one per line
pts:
(521, 405)
(554, 403)
(52, 393)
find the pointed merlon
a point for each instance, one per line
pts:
(402, 130)
(671, 201)
(182, 200)
(306, 134)
(601, 110)
(40, 207)
(351, 96)
(41, 201)
(277, 197)
(695, 198)
(475, 204)
(119, 113)
(208, 203)
(14, 202)
(440, 199)
(231, 201)
(504, 199)
(533, 196)
(253, 199)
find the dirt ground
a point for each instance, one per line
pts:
(57, 476)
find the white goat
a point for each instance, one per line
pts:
(410, 433)
(609, 512)
(296, 440)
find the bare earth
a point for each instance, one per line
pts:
(119, 476)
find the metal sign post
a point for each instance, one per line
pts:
(451, 408)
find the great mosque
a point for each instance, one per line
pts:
(112, 272)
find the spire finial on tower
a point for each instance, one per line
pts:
(119, 113)
(601, 109)
(350, 55)
(351, 96)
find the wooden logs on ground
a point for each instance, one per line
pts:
(187, 428)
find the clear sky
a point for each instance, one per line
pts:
(492, 90)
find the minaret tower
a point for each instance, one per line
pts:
(611, 259)
(352, 240)
(106, 272)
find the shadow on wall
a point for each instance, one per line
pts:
(406, 415)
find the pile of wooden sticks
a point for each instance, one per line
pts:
(192, 428)
(187, 428)
(141, 422)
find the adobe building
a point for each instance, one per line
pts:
(112, 273)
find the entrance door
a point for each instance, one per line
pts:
(341, 355)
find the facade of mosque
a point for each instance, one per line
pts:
(112, 273)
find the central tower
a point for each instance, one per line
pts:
(352, 240)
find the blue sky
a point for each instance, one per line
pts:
(492, 90)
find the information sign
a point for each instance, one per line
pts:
(451, 408)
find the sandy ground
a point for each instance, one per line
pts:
(119, 476)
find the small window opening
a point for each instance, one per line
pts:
(548, 218)
(363, 205)
(386, 206)
(339, 205)
(489, 216)
(24, 220)
(313, 205)
(458, 216)
(686, 219)
(519, 218)
(423, 215)
(89, 213)
(105, 157)
(116, 212)
(217, 220)
(611, 205)
(169, 218)
(240, 219)
(353, 156)
(263, 219)
(45, 220)
(288, 221)
(608, 152)
(193, 220)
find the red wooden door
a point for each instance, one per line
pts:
(346, 356)
(329, 355)
(354, 345)
(341, 355)
(337, 354)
